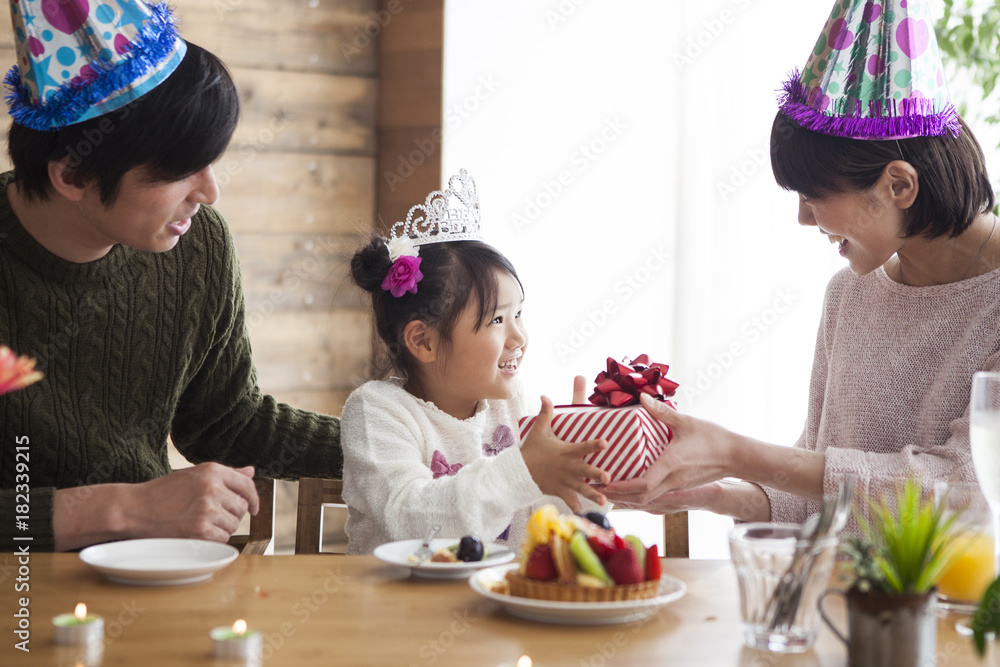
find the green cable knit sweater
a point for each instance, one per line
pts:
(135, 346)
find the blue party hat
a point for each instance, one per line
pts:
(80, 59)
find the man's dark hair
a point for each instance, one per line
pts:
(177, 129)
(954, 185)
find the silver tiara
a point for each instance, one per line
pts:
(451, 214)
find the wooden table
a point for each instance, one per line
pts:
(354, 610)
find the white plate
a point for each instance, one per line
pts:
(398, 553)
(576, 613)
(158, 562)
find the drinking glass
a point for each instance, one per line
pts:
(971, 568)
(984, 438)
(761, 554)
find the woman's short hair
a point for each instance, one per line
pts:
(954, 186)
(177, 129)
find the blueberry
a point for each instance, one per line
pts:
(469, 549)
(598, 519)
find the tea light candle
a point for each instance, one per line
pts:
(78, 628)
(523, 661)
(237, 641)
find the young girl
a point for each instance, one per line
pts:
(437, 443)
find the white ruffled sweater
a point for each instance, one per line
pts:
(409, 466)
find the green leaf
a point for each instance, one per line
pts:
(987, 618)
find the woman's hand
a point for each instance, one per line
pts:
(735, 498)
(699, 453)
(557, 467)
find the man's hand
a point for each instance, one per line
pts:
(205, 502)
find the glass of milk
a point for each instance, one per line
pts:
(984, 436)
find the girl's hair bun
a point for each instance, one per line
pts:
(370, 264)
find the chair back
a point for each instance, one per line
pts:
(675, 535)
(258, 540)
(314, 493)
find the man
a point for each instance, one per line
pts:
(117, 276)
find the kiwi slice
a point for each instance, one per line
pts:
(586, 558)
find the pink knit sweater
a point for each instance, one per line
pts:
(889, 394)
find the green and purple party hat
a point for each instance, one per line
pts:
(875, 73)
(79, 59)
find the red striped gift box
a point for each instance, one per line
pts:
(634, 438)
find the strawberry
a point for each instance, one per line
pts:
(601, 545)
(623, 566)
(654, 568)
(540, 565)
(620, 543)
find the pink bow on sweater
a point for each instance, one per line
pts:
(440, 467)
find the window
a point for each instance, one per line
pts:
(621, 156)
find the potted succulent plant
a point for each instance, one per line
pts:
(903, 550)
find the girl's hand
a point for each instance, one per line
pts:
(557, 467)
(579, 390)
(699, 453)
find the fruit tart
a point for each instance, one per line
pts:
(582, 559)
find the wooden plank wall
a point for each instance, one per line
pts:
(409, 111)
(298, 181)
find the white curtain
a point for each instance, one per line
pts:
(621, 151)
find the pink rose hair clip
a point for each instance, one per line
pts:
(404, 274)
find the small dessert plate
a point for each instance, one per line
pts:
(575, 613)
(158, 561)
(398, 553)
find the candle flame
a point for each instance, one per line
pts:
(240, 627)
(524, 661)
(80, 612)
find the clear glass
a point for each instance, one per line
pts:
(984, 438)
(761, 554)
(971, 569)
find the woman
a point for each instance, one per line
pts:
(900, 184)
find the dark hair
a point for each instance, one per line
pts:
(175, 130)
(954, 186)
(453, 272)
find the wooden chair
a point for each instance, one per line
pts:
(675, 535)
(258, 540)
(314, 493)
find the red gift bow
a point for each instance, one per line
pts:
(622, 383)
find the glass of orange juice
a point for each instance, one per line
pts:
(970, 569)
